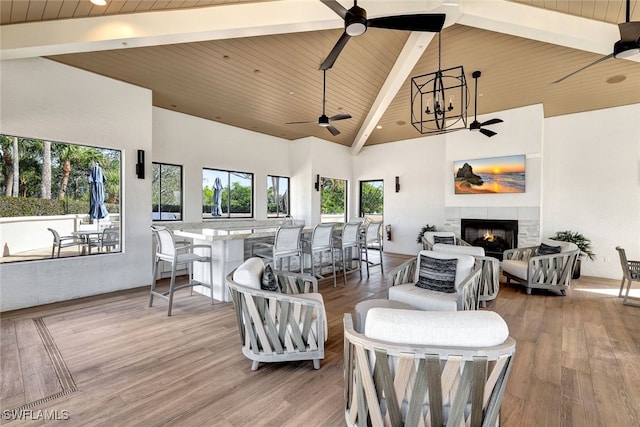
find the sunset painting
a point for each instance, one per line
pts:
(491, 175)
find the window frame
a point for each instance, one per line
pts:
(279, 214)
(360, 204)
(181, 211)
(229, 214)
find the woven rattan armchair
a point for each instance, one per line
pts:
(411, 374)
(430, 238)
(280, 326)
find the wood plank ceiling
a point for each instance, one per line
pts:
(260, 83)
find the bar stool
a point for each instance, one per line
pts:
(371, 238)
(287, 243)
(348, 245)
(321, 242)
(166, 250)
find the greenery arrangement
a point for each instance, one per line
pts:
(423, 230)
(581, 241)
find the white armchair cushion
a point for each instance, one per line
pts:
(456, 249)
(249, 273)
(423, 299)
(564, 246)
(463, 268)
(517, 268)
(457, 329)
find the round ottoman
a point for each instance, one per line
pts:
(364, 306)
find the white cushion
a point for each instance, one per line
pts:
(249, 273)
(448, 329)
(363, 307)
(457, 249)
(428, 235)
(463, 268)
(423, 299)
(516, 268)
(564, 246)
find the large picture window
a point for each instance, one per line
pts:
(333, 203)
(58, 199)
(277, 196)
(226, 194)
(166, 196)
(372, 199)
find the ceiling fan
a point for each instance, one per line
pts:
(476, 125)
(325, 121)
(356, 23)
(628, 45)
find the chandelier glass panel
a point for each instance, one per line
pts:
(439, 100)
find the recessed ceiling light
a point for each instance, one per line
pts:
(99, 2)
(616, 79)
(256, 71)
(401, 123)
(291, 92)
(379, 127)
(225, 57)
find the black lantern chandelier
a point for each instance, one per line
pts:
(439, 100)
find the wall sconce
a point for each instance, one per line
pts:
(317, 184)
(397, 184)
(140, 165)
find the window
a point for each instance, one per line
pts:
(58, 199)
(277, 196)
(333, 203)
(166, 197)
(226, 194)
(372, 199)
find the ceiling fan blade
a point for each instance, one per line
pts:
(597, 61)
(333, 130)
(340, 116)
(333, 55)
(629, 31)
(491, 122)
(432, 22)
(487, 132)
(336, 7)
(299, 123)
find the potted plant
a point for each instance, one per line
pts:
(581, 242)
(424, 230)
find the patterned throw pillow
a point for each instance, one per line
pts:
(437, 274)
(548, 249)
(447, 240)
(269, 282)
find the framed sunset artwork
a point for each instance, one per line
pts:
(491, 175)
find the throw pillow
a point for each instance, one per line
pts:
(437, 274)
(548, 249)
(269, 282)
(447, 240)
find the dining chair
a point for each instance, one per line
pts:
(321, 242)
(630, 273)
(286, 244)
(166, 250)
(371, 238)
(60, 242)
(108, 240)
(348, 245)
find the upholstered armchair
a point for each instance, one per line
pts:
(430, 238)
(490, 276)
(278, 326)
(412, 368)
(548, 266)
(430, 281)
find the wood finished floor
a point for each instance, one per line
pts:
(577, 361)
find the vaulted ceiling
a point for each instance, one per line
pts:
(254, 64)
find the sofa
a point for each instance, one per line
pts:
(282, 325)
(410, 282)
(546, 266)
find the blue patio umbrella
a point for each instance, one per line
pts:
(216, 210)
(97, 209)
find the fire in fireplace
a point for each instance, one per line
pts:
(494, 235)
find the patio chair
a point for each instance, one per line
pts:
(166, 250)
(371, 238)
(287, 243)
(630, 273)
(108, 240)
(422, 368)
(60, 242)
(321, 242)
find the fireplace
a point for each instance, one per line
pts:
(494, 235)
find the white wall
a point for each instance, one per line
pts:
(44, 99)
(591, 183)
